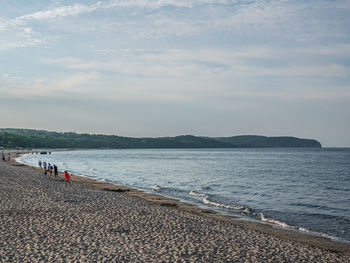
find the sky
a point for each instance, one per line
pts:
(144, 68)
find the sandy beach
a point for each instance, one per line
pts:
(41, 220)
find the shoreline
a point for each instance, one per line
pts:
(323, 243)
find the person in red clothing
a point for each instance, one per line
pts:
(50, 170)
(66, 178)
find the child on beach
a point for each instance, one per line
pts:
(66, 178)
(39, 162)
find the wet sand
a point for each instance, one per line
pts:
(41, 220)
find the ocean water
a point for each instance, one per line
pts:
(306, 190)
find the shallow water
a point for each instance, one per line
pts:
(306, 190)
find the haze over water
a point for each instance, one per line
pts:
(301, 189)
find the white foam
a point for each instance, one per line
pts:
(156, 187)
(247, 210)
(303, 229)
(297, 228)
(273, 221)
(209, 202)
(196, 193)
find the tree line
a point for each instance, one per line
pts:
(28, 138)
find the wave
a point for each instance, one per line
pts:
(156, 187)
(285, 225)
(274, 221)
(193, 192)
(105, 180)
(210, 202)
(246, 211)
(298, 228)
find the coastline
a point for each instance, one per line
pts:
(164, 205)
(253, 216)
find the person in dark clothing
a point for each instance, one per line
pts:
(55, 171)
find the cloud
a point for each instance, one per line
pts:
(6, 45)
(250, 62)
(22, 38)
(28, 30)
(76, 9)
(174, 3)
(64, 86)
(58, 12)
(208, 75)
(3, 24)
(207, 22)
(290, 20)
(50, 14)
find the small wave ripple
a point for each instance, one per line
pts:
(156, 187)
(195, 193)
(299, 229)
(274, 221)
(207, 201)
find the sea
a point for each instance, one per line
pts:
(299, 189)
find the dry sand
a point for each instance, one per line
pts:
(41, 220)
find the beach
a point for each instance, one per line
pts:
(41, 220)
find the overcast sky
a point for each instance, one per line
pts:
(163, 68)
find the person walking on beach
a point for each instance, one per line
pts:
(55, 171)
(45, 173)
(66, 178)
(44, 165)
(40, 163)
(50, 170)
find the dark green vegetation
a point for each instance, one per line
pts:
(26, 138)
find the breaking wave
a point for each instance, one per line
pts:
(197, 193)
(274, 221)
(156, 187)
(299, 229)
(207, 201)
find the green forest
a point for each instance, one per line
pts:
(36, 139)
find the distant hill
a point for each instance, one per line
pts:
(28, 138)
(253, 141)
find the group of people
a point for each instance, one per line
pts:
(49, 169)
